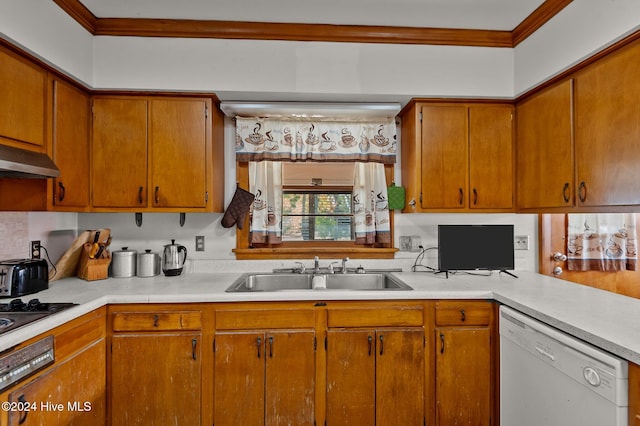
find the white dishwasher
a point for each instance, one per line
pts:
(548, 378)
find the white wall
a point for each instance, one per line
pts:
(45, 30)
(583, 28)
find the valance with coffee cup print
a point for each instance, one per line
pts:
(271, 139)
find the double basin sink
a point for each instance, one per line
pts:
(308, 281)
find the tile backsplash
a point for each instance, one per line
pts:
(14, 234)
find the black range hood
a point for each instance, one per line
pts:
(21, 163)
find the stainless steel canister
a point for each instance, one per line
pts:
(148, 264)
(123, 263)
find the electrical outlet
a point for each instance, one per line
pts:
(35, 249)
(199, 242)
(521, 242)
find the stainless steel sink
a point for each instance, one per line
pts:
(284, 282)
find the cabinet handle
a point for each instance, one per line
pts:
(23, 414)
(441, 343)
(461, 198)
(140, 195)
(565, 192)
(270, 346)
(475, 196)
(156, 319)
(194, 345)
(381, 344)
(258, 345)
(370, 339)
(463, 315)
(62, 191)
(582, 191)
(156, 194)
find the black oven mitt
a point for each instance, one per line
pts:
(238, 208)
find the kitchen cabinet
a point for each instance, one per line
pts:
(464, 363)
(155, 154)
(375, 365)
(70, 147)
(264, 367)
(634, 394)
(458, 157)
(79, 366)
(545, 173)
(607, 130)
(155, 366)
(23, 106)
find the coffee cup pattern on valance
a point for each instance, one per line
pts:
(260, 139)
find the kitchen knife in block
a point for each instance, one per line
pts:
(68, 263)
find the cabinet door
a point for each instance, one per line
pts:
(463, 376)
(607, 123)
(70, 145)
(156, 379)
(444, 157)
(239, 369)
(119, 146)
(22, 91)
(178, 140)
(290, 378)
(544, 161)
(491, 159)
(351, 380)
(82, 396)
(400, 377)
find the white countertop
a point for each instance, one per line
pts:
(604, 319)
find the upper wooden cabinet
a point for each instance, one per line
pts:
(545, 149)
(458, 157)
(22, 106)
(607, 130)
(70, 147)
(155, 154)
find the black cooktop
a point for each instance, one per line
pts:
(18, 313)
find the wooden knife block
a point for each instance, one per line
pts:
(93, 269)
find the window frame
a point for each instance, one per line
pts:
(308, 249)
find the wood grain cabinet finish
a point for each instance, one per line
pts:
(607, 130)
(464, 373)
(375, 366)
(265, 367)
(458, 157)
(23, 106)
(154, 154)
(70, 147)
(155, 367)
(634, 394)
(545, 149)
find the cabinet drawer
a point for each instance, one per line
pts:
(383, 317)
(463, 313)
(259, 319)
(157, 321)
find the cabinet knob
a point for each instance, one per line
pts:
(565, 192)
(559, 257)
(62, 191)
(461, 196)
(557, 270)
(582, 192)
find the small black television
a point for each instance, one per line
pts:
(475, 247)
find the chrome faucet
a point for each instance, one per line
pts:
(344, 265)
(301, 268)
(316, 265)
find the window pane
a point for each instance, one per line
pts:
(308, 216)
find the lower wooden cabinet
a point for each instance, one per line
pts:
(265, 367)
(634, 394)
(155, 367)
(464, 374)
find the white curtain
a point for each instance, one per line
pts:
(601, 242)
(370, 204)
(265, 182)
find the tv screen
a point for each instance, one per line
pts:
(474, 247)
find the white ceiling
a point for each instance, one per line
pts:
(468, 14)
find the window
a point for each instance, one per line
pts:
(317, 215)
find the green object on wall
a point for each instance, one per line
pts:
(396, 195)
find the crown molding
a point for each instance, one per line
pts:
(182, 28)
